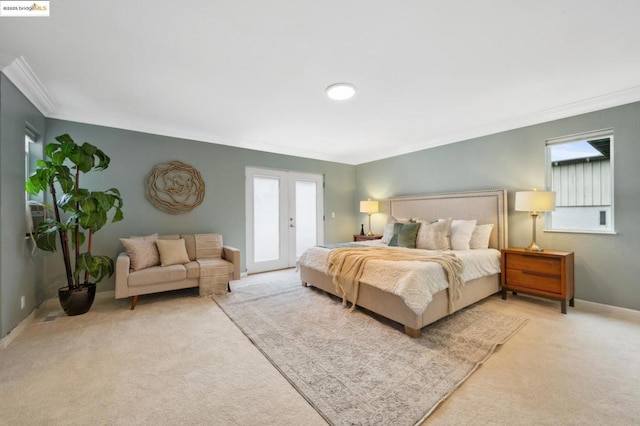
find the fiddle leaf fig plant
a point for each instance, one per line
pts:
(78, 212)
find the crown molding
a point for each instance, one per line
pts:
(585, 106)
(18, 71)
(122, 122)
(20, 74)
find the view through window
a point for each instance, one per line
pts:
(580, 172)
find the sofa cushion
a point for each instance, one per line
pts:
(172, 252)
(157, 274)
(142, 251)
(190, 243)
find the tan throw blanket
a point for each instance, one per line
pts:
(208, 246)
(214, 271)
(346, 265)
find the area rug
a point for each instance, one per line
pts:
(358, 368)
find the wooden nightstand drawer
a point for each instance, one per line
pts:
(542, 265)
(546, 273)
(534, 281)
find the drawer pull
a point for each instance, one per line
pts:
(542, 274)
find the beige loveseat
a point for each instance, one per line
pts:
(207, 264)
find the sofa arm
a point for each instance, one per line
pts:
(123, 263)
(232, 254)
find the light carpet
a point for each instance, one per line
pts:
(176, 359)
(357, 368)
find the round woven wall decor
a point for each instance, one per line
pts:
(175, 187)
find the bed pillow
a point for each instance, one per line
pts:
(389, 228)
(142, 251)
(393, 241)
(480, 236)
(461, 231)
(172, 252)
(388, 233)
(405, 234)
(434, 236)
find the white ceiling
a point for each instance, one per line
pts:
(252, 74)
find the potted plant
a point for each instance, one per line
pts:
(78, 214)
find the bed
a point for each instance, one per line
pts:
(486, 207)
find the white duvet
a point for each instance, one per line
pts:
(415, 282)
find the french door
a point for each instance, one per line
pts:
(284, 217)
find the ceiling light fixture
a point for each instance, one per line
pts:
(341, 91)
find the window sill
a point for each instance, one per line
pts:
(582, 231)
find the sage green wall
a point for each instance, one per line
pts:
(134, 155)
(19, 271)
(606, 266)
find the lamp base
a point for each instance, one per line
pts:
(369, 234)
(533, 247)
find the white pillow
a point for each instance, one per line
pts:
(388, 229)
(434, 236)
(388, 233)
(480, 236)
(172, 252)
(461, 231)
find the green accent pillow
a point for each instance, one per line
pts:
(396, 230)
(404, 235)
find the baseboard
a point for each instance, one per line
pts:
(611, 309)
(15, 332)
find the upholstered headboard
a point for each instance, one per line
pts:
(484, 206)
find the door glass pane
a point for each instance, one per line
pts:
(266, 213)
(306, 216)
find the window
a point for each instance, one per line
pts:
(29, 140)
(580, 172)
(33, 151)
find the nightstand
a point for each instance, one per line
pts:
(358, 237)
(547, 273)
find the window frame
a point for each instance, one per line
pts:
(586, 136)
(33, 151)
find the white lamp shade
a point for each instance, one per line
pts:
(535, 201)
(368, 207)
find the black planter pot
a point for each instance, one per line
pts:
(77, 301)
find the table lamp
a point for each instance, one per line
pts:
(535, 202)
(369, 207)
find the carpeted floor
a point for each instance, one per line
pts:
(175, 360)
(357, 369)
(178, 359)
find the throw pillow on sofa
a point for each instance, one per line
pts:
(142, 251)
(172, 252)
